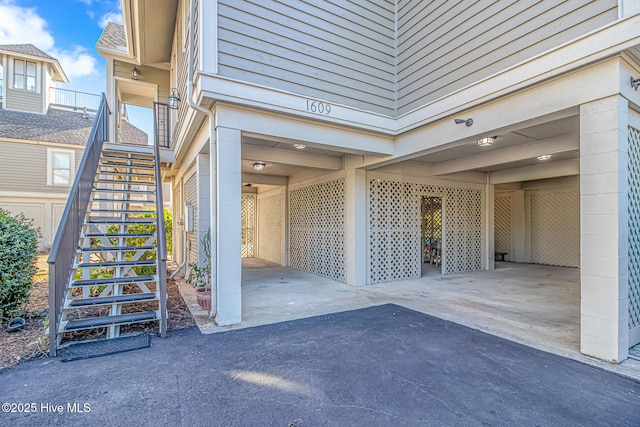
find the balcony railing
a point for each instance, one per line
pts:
(74, 99)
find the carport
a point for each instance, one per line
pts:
(531, 304)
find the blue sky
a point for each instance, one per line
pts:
(67, 30)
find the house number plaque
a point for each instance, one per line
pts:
(318, 107)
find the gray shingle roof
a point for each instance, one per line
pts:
(68, 127)
(25, 49)
(113, 37)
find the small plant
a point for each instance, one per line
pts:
(18, 253)
(200, 276)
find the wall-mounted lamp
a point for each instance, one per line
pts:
(467, 122)
(544, 157)
(259, 166)
(174, 98)
(135, 73)
(635, 83)
(299, 146)
(487, 141)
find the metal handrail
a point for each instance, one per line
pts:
(64, 246)
(74, 99)
(161, 237)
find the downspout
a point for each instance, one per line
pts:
(213, 152)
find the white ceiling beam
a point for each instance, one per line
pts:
(290, 157)
(254, 178)
(556, 145)
(541, 171)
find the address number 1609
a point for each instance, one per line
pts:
(318, 107)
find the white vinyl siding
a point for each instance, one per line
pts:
(444, 46)
(336, 51)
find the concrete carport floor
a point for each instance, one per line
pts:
(535, 305)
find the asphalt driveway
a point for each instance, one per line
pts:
(378, 366)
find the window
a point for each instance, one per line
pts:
(1, 79)
(24, 75)
(60, 166)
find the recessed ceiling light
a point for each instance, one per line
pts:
(487, 141)
(544, 157)
(259, 166)
(299, 146)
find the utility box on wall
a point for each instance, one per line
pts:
(189, 219)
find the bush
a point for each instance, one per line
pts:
(18, 252)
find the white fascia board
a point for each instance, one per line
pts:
(511, 154)
(277, 155)
(341, 138)
(541, 171)
(225, 89)
(596, 45)
(555, 97)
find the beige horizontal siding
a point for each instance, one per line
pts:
(24, 100)
(444, 46)
(339, 51)
(23, 168)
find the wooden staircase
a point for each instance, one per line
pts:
(116, 277)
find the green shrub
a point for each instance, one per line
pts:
(18, 252)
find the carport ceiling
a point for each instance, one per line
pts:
(511, 150)
(247, 140)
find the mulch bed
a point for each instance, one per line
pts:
(32, 342)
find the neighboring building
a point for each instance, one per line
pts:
(354, 140)
(43, 130)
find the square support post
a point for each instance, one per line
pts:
(604, 280)
(228, 220)
(356, 227)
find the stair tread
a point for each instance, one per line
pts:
(124, 165)
(96, 322)
(120, 190)
(121, 181)
(112, 299)
(115, 235)
(116, 264)
(137, 211)
(119, 249)
(130, 174)
(115, 220)
(112, 281)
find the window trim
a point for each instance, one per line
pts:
(23, 71)
(72, 165)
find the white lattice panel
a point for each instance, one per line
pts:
(502, 227)
(394, 239)
(317, 229)
(248, 206)
(555, 228)
(270, 224)
(634, 228)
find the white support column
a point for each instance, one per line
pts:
(518, 228)
(604, 244)
(489, 233)
(229, 224)
(356, 227)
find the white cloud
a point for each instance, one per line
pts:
(76, 63)
(21, 25)
(115, 17)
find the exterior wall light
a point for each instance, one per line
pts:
(467, 122)
(259, 166)
(635, 83)
(135, 73)
(299, 146)
(544, 157)
(487, 141)
(174, 98)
